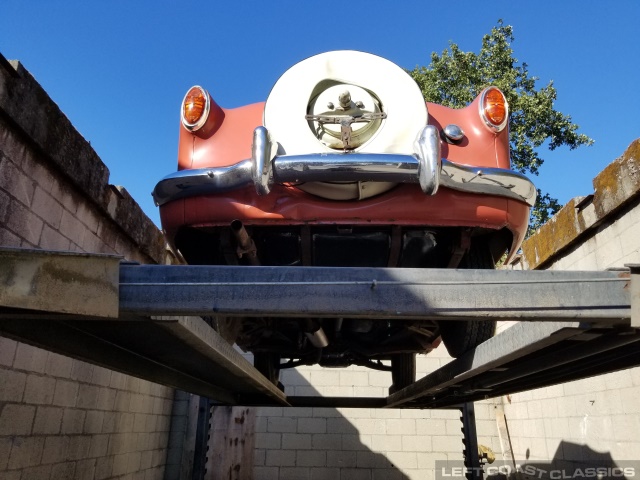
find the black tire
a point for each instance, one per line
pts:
(267, 364)
(461, 336)
(403, 371)
(227, 327)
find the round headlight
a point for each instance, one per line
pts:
(195, 108)
(494, 108)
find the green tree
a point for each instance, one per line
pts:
(454, 78)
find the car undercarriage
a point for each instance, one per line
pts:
(279, 343)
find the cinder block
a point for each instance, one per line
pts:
(295, 473)
(8, 349)
(355, 474)
(26, 452)
(353, 379)
(16, 419)
(296, 441)
(106, 398)
(386, 443)
(133, 461)
(24, 223)
(395, 474)
(369, 459)
(93, 422)
(416, 443)
(5, 449)
(355, 441)
(328, 441)
(311, 458)
(341, 459)
(325, 474)
(402, 426)
(47, 208)
(85, 469)
(72, 421)
(123, 401)
(42, 472)
(99, 446)
(78, 447)
(81, 371)
(30, 358)
(119, 466)
(379, 379)
(353, 413)
(39, 389)
(140, 403)
(447, 443)
(259, 457)
(282, 425)
(64, 471)
(341, 425)
(66, 393)
(427, 460)
(16, 183)
(48, 421)
(267, 473)
(280, 458)
(55, 449)
(13, 385)
(332, 412)
(403, 460)
(58, 365)
(312, 425)
(268, 441)
(431, 426)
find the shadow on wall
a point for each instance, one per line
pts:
(570, 462)
(322, 443)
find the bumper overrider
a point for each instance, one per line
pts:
(425, 166)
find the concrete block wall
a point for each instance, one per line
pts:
(596, 419)
(61, 418)
(351, 443)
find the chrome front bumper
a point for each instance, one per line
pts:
(425, 167)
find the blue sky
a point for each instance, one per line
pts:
(119, 69)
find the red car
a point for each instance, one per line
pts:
(345, 165)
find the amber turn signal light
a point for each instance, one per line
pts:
(195, 108)
(494, 108)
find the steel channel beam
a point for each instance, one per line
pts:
(375, 293)
(635, 294)
(516, 342)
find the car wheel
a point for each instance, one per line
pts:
(403, 371)
(267, 364)
(227, 327)
(461, 336)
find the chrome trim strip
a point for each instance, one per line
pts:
(488, 181)
(202, 181)
(425, 167)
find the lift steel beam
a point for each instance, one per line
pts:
(149, 321)
(382, 293)
(68, 303)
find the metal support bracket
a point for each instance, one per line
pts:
(635, 294)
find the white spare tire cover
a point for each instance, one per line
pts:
(399, 95)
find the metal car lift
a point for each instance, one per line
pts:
(146, 320)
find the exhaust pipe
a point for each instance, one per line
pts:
(316, 335)
(246, 246)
